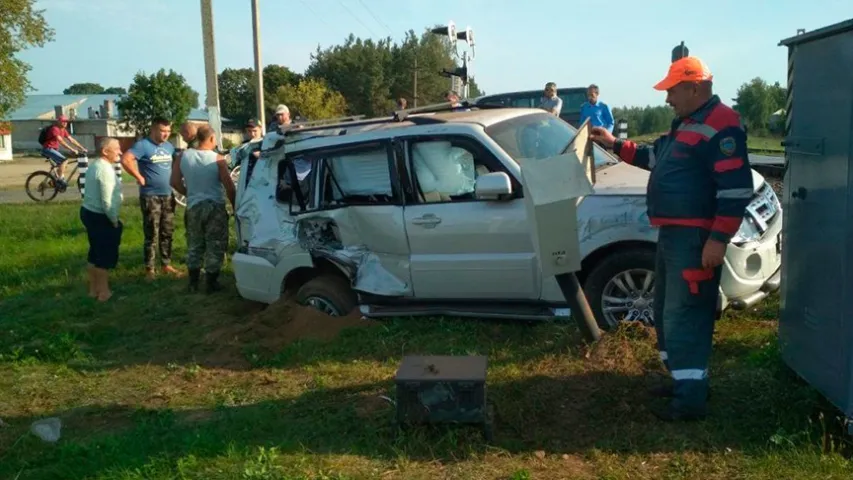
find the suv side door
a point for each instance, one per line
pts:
(461, 247)
(357, 187)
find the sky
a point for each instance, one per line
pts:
(623, 46)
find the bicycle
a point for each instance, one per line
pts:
(42, 186)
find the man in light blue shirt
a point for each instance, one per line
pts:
(598, 113)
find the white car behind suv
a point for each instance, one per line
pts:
(424, 215)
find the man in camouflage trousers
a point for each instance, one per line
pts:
(150, 162)
(202, 175)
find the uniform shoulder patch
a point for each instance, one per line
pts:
(728, 146)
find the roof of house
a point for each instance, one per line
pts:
(40, 107)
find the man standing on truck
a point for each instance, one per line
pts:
(281, 117)
(550, 102)
(597, 112)
(699, 188)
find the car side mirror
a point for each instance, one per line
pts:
(492, 186)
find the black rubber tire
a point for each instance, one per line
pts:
(606, 268)
(333, 289)
(36, 179)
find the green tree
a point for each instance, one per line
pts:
(116, 91)
(275, 76)
(357, 69)
(371, 75)
(237, 90)
(21, 27)
(163, 94)
(312, 99)
(645, 120)
(756, 101)
(432, 54)
(237, 94)
(84, 89)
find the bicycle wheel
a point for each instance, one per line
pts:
(235, 175)
(41, 186)
(179, 199)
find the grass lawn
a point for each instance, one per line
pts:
(760, 145)
(159, 384)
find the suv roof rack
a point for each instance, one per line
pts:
(351, 118)
(343, 123)
(403, 115)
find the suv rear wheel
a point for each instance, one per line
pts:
(330, 294)
(620, 288)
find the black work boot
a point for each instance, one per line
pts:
(213, 282)
(194, 275)
(665, 391)
(669, 414)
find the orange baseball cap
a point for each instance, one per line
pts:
(687, 69)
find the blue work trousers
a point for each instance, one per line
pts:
(685, 308)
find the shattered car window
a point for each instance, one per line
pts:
(443, 168)
(537, 136)
(299, 166)
(360, 174)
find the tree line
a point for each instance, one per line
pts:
(357, 77)
(756, 101)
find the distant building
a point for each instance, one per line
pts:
(5, 141)
(776, 122)
(92, 117)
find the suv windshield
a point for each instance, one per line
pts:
(537, 136)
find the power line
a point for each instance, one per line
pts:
(380, 22)
(320, 17)
(357, 19)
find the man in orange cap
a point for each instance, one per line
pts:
(699, 188)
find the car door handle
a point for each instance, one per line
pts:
(428, 220)
(800, 193)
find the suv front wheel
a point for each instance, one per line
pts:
(620, 288)
(329, 294)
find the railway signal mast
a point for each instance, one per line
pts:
(461, 74)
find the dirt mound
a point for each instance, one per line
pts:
(625, 350)
(280, 324)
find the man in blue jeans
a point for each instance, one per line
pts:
(150, 162)
(55, 136)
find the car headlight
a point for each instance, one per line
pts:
(748, 232)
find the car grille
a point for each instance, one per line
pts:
(764, 207)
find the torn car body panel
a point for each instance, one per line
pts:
(275, 242)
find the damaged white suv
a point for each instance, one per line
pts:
(423, 215)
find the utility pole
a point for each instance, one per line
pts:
(259, 71)
(212, 97)
(415, 87)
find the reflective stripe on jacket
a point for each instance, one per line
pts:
(700, 174)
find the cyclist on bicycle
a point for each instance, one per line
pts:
(54, 136)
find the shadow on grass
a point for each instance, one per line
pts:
(160, 323)
(577, 414)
